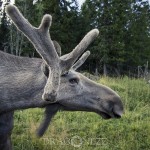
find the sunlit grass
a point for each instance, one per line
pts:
(88, 131)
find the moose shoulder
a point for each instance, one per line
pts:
(51, 82)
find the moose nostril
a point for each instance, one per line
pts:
(117, 113)
(117, 109)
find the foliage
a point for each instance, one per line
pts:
(82, 130)
(138, 33)
(124, 31)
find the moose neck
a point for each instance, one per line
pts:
(22, 84)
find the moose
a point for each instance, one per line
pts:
(51, 82)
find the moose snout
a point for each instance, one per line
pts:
(117, 112)
(112, 107)
(116, 107)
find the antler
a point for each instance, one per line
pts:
(42, 42)
(68, 60)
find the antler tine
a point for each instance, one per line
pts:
(42, 42)
(18, 19)
(71, 58)
(38, 36)
(45, 23)
(81, 60)
(57, 47)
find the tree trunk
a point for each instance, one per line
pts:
(104, 70)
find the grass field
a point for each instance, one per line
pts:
(88, 131)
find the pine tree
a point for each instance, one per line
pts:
(124, 32)
(138, 33)
(108, 17)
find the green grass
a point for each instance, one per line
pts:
(88, 131)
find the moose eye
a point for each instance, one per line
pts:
(74, 81)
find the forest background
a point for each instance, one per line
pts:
(122, 48)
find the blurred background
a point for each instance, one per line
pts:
(122, 48)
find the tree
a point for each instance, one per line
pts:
(3, 27)
(117, 21)
(138, 33)
(108, 17)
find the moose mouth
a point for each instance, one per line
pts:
(108, 116)
(105, 115)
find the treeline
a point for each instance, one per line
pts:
(122, 46)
